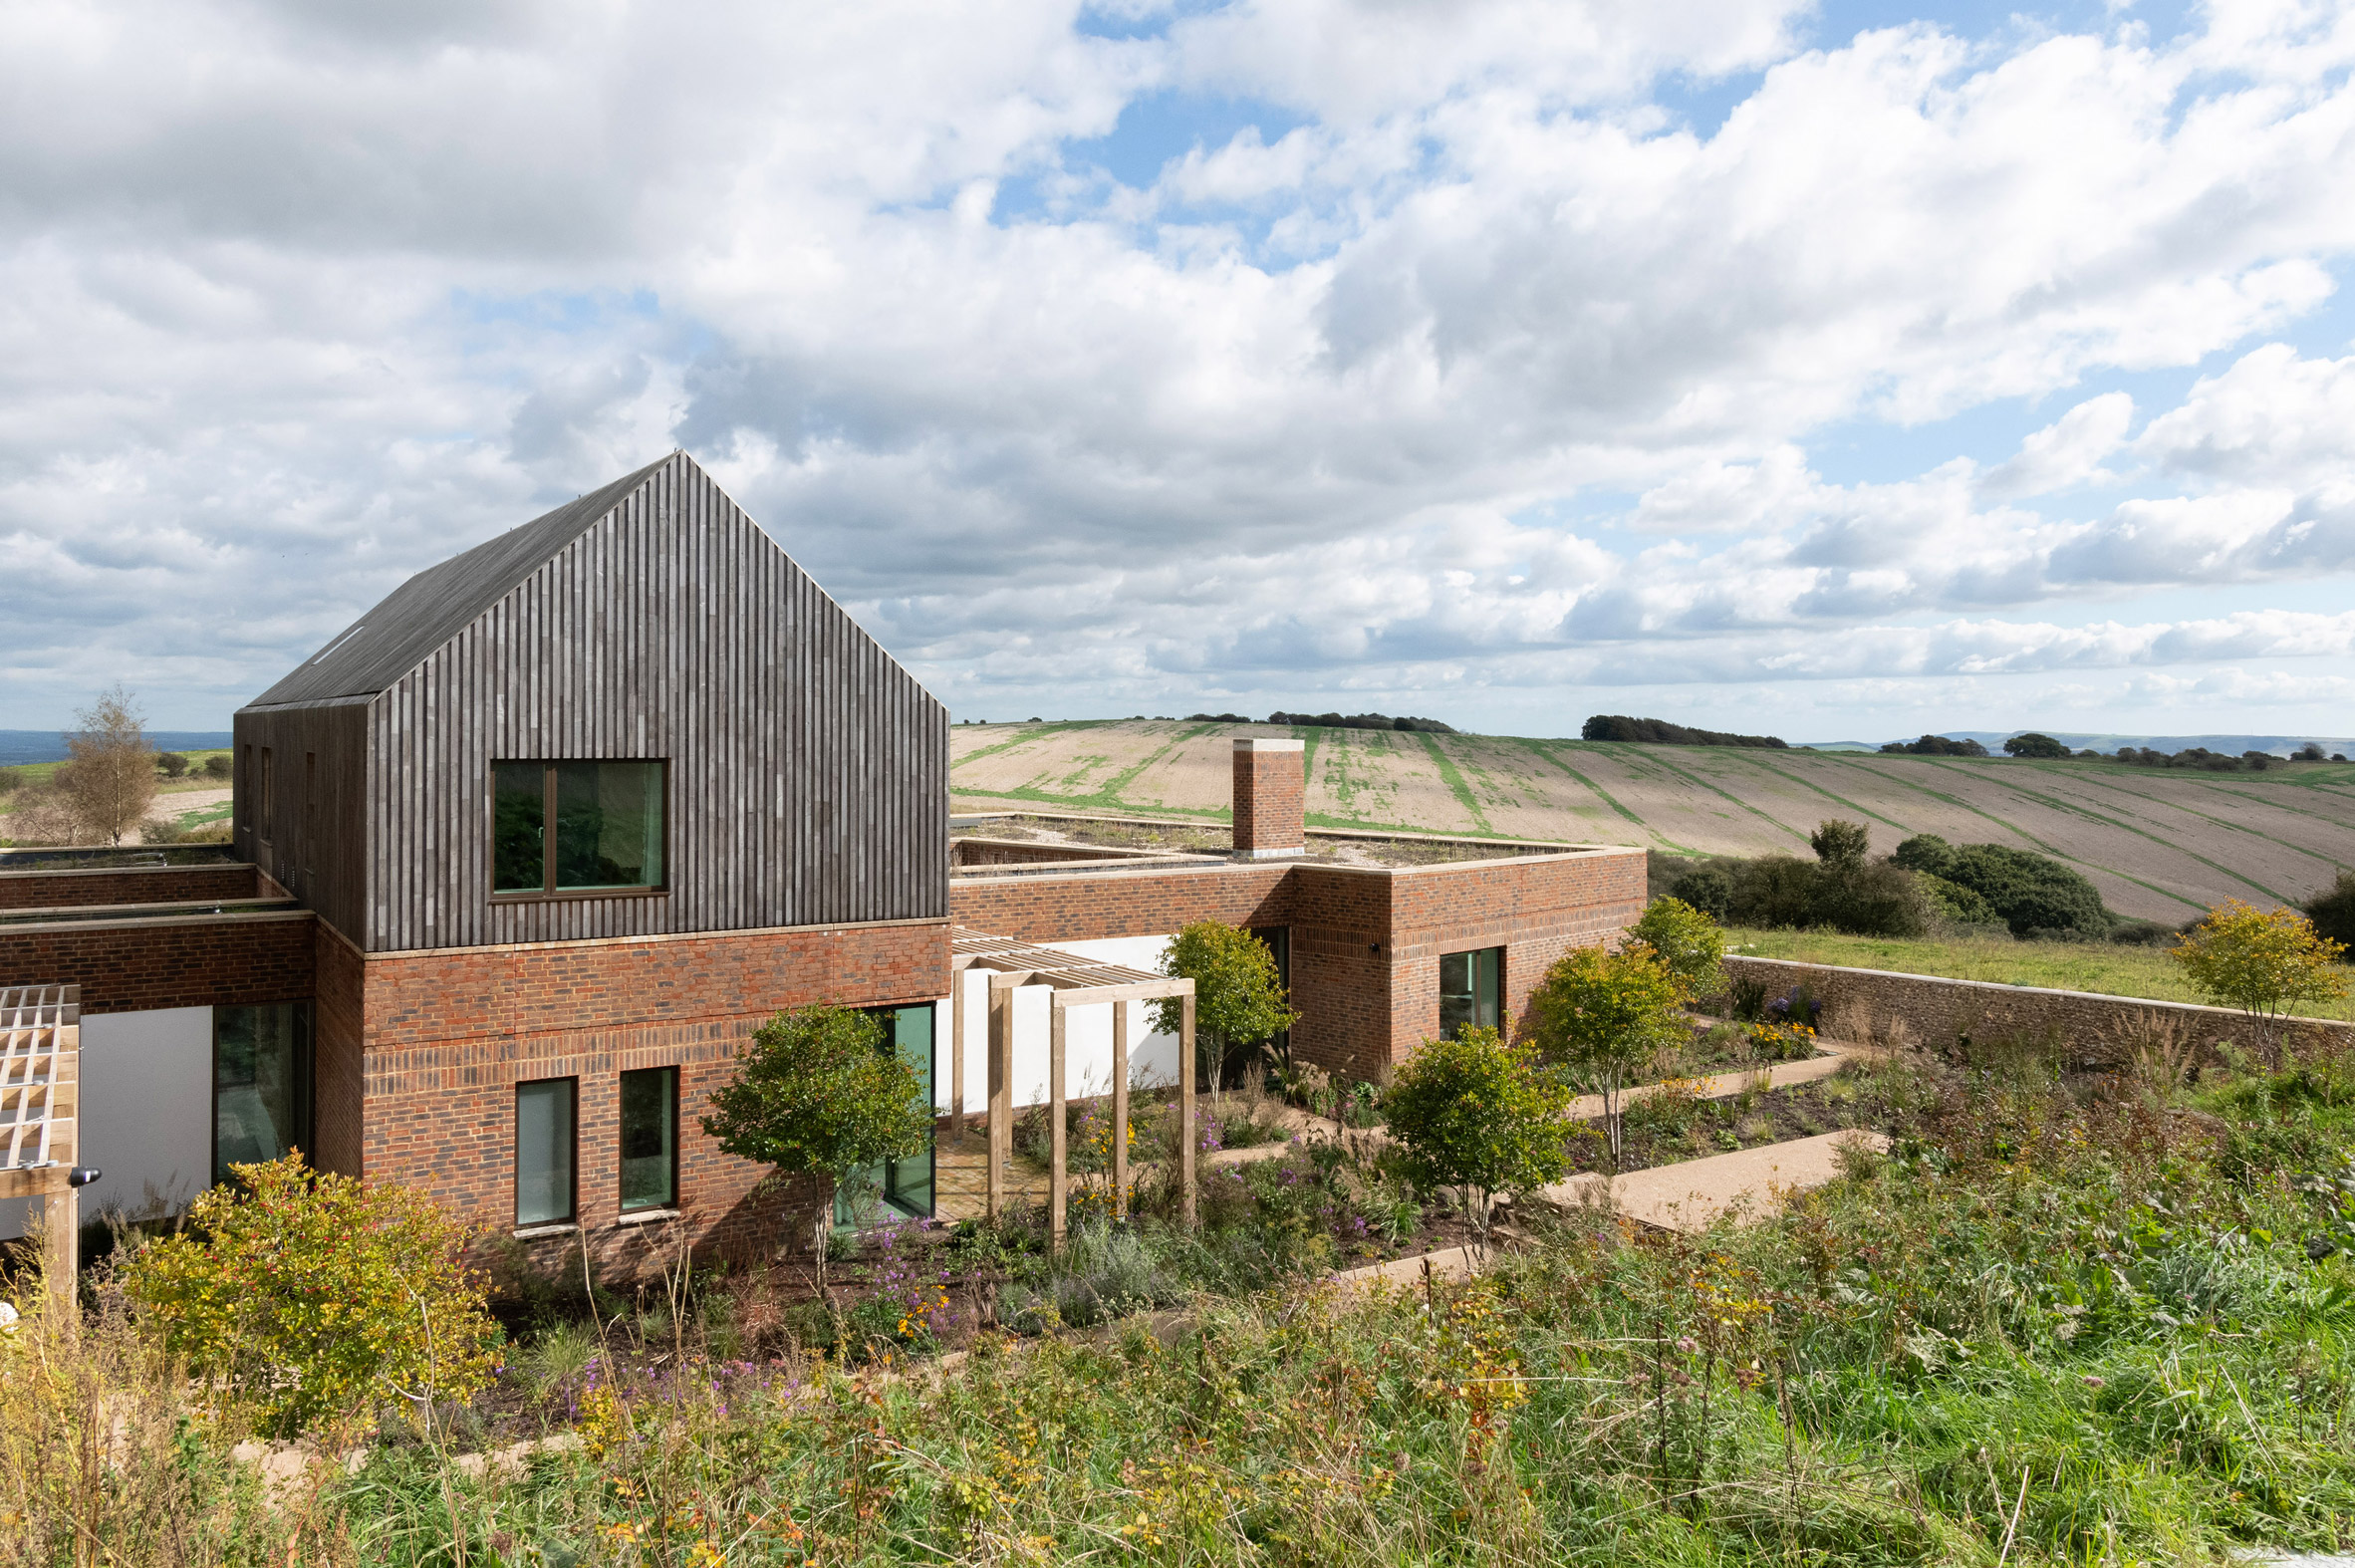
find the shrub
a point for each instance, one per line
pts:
(2031, 893)
(1478, 1112)
(1925, 851)
(2032, 744)
(2259, 961)
(171, 764)
(11, 780)
(1687, 943)
(1708, 889)
(1609, 1016)
(1954, 901)
(217, 766)
(1867, 899)
(2334, 910)
(817, 1093)
(313, 1295)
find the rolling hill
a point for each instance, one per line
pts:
(2161, 844)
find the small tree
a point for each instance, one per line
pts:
(1239, 998)
(1608, 1015)
(1481, 1113)
(2032, 744)
(2332, 909)
(173, 764)
(816, 1094)
(2261, 961)
(110, 781)
(313, 1295)
(1687, 942)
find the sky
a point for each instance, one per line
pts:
(1839, 372)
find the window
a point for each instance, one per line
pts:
(1278, 942)
(261, 1084)
(650, 1138)
(310, 812)
(1470, 984)
(575, 827)
(903, 1186)
(544, 1151)
(267, 826)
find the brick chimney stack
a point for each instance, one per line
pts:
(1267, 793)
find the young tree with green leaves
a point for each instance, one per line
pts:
(1608, 1016)
(817, 1093)
(1478, 1112)
(109, 780)
(1239, 998)
(2261, 961)
(1686, 942)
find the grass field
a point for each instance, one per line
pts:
(2066, 967)
(2162, 845)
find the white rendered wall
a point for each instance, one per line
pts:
(1087, 1039)
(147, 1113)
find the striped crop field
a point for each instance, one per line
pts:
(2162, 844)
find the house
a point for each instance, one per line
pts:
(525, 853)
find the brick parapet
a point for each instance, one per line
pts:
(136, 966)
(1936, 1012)
(87, 889)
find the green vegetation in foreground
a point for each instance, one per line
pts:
(2108, 968)
(2059, 1325)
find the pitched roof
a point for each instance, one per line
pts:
(438, 603)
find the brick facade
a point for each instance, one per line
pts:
(1269, 794)
(445, 1035)
(62, 890)
(1366, 941)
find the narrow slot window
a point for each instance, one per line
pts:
(650, 1138)
(1470, 990)
(544, 1151)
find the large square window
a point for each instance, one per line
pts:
(544, 1151)
(650, 1138)
(575, 827)
(1471, 985)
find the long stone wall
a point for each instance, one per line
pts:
(1936, 1012)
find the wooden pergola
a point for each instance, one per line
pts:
(1077, 982)
(40, 1076)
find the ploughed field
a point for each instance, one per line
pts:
(2162, 844)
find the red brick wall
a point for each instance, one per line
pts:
(39, 890)
(1090, 904)
(218, 960)
(1269, 791)
(450, 1033)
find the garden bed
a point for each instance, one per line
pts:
(1670, 1122)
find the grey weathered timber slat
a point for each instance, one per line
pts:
(805, 770)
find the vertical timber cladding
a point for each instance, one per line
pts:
(807, 769)
(312, 844)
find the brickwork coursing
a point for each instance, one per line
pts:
(62, 890)
(1934, 1011)
(220, 960)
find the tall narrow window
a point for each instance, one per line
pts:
(650, 1138)
(261, 1084)
(902, 1186)
(544, 1148)
(310, 810)
(1470, 984)
(575, 827)
(268, 825)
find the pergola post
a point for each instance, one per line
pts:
(1120, 1109)
(1002, 1088)
(1058, 1166)
(1185, 1132)
(956, 1057)
(61, 1251)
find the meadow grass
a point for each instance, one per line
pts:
(2054, 1326)
(2108, 968)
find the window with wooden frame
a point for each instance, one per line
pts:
(577, 829)
(1472, 987)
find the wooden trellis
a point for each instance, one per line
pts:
(39, 1079)
(1077, 982)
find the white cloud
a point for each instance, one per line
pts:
(298, 300)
